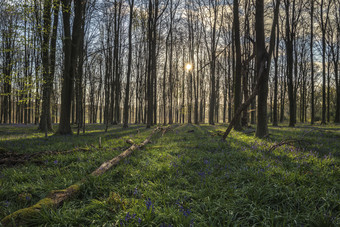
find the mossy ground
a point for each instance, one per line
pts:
(182, 178)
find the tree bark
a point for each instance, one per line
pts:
(127, 88)
(238, 69)
(71, 52)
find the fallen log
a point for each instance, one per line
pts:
(57, 197)
(130, 141)
(108, 164)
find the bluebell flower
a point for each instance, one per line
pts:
(202, 174)
(127, 217)
(55, 162)
(149, 204)
(136, 191)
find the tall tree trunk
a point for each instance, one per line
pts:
(238, 69)
(290, 62)
(276, 57)
(127, 88)
(263, 60)
(312, 61)
(48, 61)
(71, 52)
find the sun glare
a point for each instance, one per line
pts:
(188, 66)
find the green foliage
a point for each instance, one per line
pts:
(182, 178)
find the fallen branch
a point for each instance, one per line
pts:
(57, 197)
(130, 141)
(165, 130)
(108, 164)
(285, 142)
(239, 111)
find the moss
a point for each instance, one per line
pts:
(20, 215)
(73, 188)
(47, 202)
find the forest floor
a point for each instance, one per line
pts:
(186, 177)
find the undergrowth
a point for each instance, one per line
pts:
(188, 177)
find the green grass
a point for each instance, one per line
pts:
(182, 178)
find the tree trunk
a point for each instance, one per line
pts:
(312, 61)
(276, 56)
(238, 69)
(71, 52)
(127, 88)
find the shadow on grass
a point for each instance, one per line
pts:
(65, 142)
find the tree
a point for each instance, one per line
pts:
(127, 88)
(312, 60)
(323, 25)
(263, 61)
(292, 13)
(276, 57)
(335, 52)
(237, 75)
(48, 48)
(71, 54)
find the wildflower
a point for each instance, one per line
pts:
(55, 162)
(149, 204)
(202, 174)
(127, 217)
(136, 191)
(187, 212)
(139, 220)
